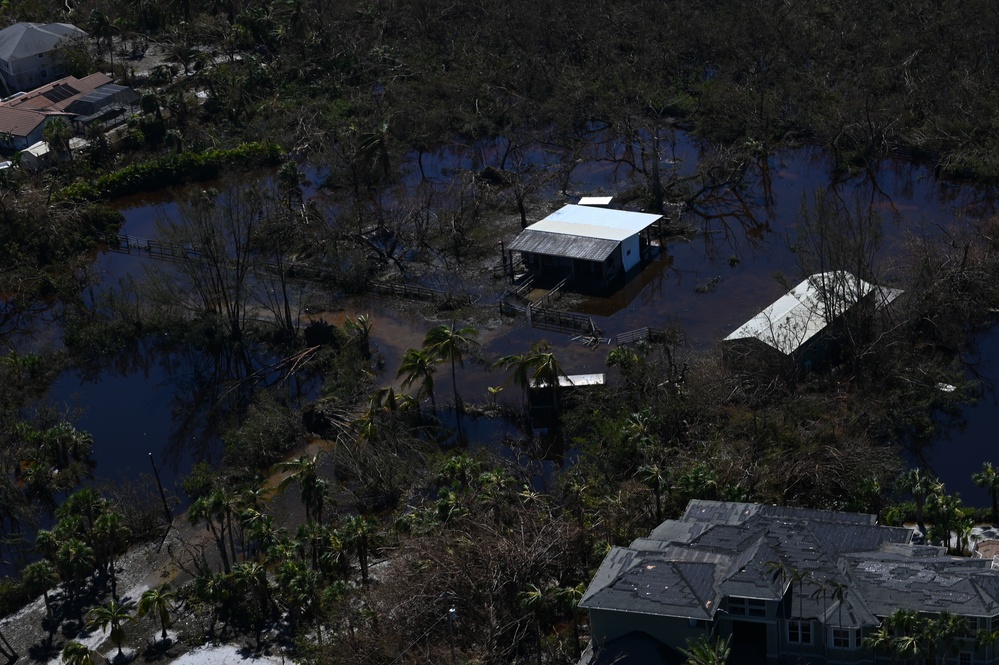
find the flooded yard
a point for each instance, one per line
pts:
(706, 285)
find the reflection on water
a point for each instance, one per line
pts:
(955, 458)
(709, 284)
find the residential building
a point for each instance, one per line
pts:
(78, 101)
(597, 248)
(33, 54)
(786, 585)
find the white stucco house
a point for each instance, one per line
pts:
(32, 54)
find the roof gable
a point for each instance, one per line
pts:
(23, 40)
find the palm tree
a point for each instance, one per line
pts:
(75, 653)
(921, 488)
(360, 531)
(881, 639)
(451, 344)
(160, 601)
(534, 600)
(536, 368)
(111, 616)
(705, 651)
(110, 535)
(945, 510)
(57, 134)
(946, 628)
(102, 28)
(656, 479)
(40, 576)
(419, 366)
(569, 597)
(313, 489)
(986, 639)
(988, 479)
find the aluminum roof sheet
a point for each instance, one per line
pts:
(595, 200)
(804, 311)
(592, 222)
(559, 244)
(573, 381)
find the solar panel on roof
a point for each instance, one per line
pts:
(60, 93)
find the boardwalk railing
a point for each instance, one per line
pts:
(554, 319)
(642, 334)
(555, 293)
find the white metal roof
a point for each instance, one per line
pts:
(591, 222)
(800, 314)
(574, 381)
(595, 200)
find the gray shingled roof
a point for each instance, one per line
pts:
(23, 40)
(686, 567)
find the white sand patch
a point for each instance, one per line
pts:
(225, 654)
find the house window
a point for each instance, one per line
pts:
(845, 638)
(753, 607)
(964, 658)
(799, 632)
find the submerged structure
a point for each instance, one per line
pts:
(597, 248)
(801, 326)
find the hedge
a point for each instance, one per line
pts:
(172, 170)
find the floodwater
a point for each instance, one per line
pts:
(707, 286)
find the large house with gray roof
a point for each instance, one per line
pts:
(33, 54)
(786, 585)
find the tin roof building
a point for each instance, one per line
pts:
(595, 247)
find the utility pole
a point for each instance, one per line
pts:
(166, 507)
(452, 616)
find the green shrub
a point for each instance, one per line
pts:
(172, 170)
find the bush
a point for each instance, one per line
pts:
(172, 170)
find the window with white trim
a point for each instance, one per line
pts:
(799, 632)
(844, 638)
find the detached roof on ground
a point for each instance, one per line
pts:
(582, 232)
(23, 40)
(808, 308)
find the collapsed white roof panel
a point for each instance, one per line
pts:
(805, 310)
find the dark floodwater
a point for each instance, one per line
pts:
(743, 240)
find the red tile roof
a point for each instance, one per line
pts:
(56, 96)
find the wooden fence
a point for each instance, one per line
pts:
(554, 319)
(642, 334)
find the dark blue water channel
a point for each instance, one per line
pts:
(741, 243)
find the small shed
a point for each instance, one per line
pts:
(36, 157)
(595, 247)
(541, 397)
(796, 326)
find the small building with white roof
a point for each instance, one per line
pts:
(596, 247)
(796, 325)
